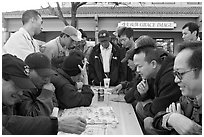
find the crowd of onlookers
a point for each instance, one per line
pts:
(164, 89)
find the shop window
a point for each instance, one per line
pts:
(166, 43)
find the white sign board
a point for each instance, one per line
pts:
(152, 25)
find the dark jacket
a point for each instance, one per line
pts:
(96, 72)
(129, 73)
(67, 94)
(165, 89)
(190, 110)
(133, 96)
(26, 125)
(36, 103)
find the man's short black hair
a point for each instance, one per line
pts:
(152, 53)
(27, 15)
(195, 61)
(127, 31)
(192, 27)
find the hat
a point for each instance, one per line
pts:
(129, 54)
(72, 32)
(71, 62)
(119, 31)
(40, 63)
(17, 70)
(103, 35)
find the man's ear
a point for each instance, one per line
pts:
(154, 63)
(32, 19)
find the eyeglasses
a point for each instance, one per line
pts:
(180, 75)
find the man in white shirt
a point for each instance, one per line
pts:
(22, 43)
(105, 61)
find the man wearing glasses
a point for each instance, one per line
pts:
(184, 117)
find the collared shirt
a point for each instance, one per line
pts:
(21, 44)
(106, 54)
(53, 48)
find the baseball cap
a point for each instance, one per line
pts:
(40, 63)
(71, 62)
(72, 32)
(103, 35)
(17, 70)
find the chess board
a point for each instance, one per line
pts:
(93, 115)
(91, 130)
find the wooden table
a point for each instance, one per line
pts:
(128, 123)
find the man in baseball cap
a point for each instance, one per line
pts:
(40, 63)
(40, 100)
(14, 79)
(73, 33)
(103, 35)
(17, 70)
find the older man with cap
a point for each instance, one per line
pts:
(105, 61)
(59, 47)
(40, 101)
(15, 80)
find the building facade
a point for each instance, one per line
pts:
(161, 20)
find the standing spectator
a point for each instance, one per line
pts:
(38, 101)
(58, 48)
(22, 43)
(185, 116)
(14, 81)
(66, 81)
(190, 32)
(126, 39)
(155, 63)
(105, 61)
(84, 45)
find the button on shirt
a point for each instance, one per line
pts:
(21, 44)
(106, 54)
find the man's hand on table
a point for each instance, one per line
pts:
(116, 89)
(75, 124)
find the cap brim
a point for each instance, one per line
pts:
(46, 72)
(75, 38)
(23, 83)
(104, 39)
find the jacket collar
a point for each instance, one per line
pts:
(66, 76)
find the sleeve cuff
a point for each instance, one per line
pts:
(165, 121)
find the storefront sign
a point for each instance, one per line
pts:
(152, 25)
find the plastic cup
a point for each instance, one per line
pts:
(106, 82)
